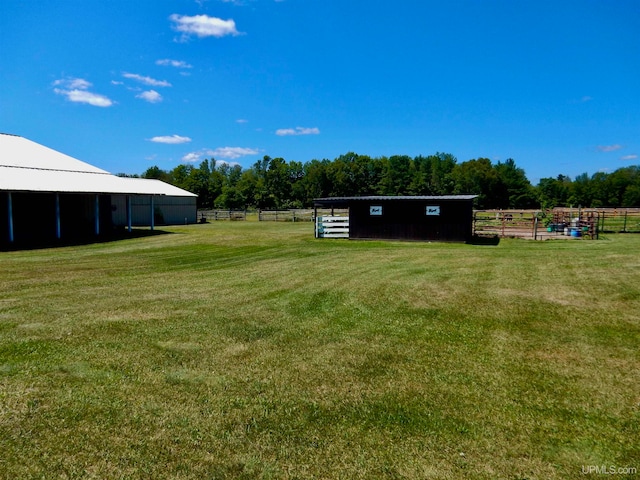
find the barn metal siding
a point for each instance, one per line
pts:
(168, 210)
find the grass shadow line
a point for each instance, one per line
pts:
(112, 236)
(484, 240)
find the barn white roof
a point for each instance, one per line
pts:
(29, 166)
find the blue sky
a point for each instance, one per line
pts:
(125, 84)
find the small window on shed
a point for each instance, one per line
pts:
(432, 210)
(375, 210)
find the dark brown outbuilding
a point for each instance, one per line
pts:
(446, 218)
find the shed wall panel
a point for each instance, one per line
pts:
(407, 220)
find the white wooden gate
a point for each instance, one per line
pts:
(332, 227)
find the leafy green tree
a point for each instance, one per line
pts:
(553, 192)
(621, 185)
(631, 197)
(246, 188)
(581, 192)
(397, 174)
(341, 179)
(513, 189)
(156, 173)
(477, 177)
(278, 183)
(432, 175)
(315, 181)
(198, 181)
(261, 194)
(180, 176)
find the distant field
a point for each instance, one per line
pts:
(252, 350)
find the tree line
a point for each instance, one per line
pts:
(274, 183)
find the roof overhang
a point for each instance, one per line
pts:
(16, 179)
(343, 202)
(26, 166)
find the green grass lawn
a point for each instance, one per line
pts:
(252, 350)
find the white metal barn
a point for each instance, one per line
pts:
(45, 195)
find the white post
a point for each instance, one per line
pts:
(97, 215)
(152, 211)
(10, 209)
(129, 213)
(58, 226)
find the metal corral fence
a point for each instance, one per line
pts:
(611, 220)
(536, 224)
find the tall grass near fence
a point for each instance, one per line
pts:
(253, 350)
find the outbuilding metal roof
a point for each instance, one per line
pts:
(31, 167)
(336, 200)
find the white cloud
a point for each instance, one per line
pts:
(83, 96)
(170, 139)
(76, 90)
(166, 62)
(203, 26)
(146, 80)
(150, 96)
(232, 153)
(609, 148)
(242, 120)
(192, 157)
(227, 153)
(298, 131)
(629, 157)
(76, 83)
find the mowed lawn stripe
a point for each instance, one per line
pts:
(253, 350)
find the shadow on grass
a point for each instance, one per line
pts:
(113, 236)
(484, 240)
